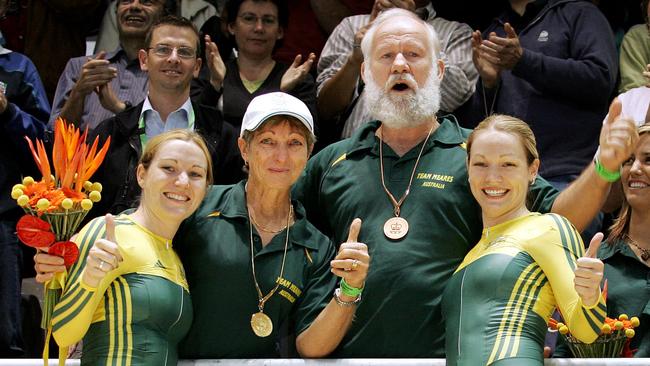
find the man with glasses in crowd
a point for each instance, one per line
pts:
(171, 61)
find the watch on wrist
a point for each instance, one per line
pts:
(340, 302)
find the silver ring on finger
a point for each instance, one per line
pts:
(101, 265)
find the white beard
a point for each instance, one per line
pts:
(399, 111)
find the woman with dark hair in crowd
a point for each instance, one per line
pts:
(257, 27)
(626, 252)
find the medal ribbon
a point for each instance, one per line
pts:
(397, 204)
(261, 297)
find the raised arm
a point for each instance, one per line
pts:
(327, 330)
(339, 67)
(558, 253)
(583, 198)
(76, 83)
(88, 279)
(460, 77)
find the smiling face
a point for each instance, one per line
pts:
(499, 175)
(172, 72)
(635, 175)
(175, 182)
(135, 17)
(256, 28)
(276, 154)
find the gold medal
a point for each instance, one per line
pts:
(396, 228)
(261, 324)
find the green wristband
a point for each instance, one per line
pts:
(348, 290)
(607, 175)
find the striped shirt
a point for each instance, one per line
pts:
(139, 311)
(460, 76)
(130, 85)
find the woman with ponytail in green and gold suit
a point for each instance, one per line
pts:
(497, 303)
(127, 296)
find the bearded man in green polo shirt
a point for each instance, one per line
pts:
(405, 176)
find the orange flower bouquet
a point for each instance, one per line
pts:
(613, 341)
(56, 205)
(614, 337)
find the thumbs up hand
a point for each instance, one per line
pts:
(589, 273)
(352, 260)
(618, 138)
(103, 257)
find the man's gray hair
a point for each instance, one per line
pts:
(366, 42)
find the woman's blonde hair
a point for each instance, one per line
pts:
(511, 125)
(621, 226)
(153, 146)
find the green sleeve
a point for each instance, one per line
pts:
(75, 310)
(556, 251)
(307, 189)
(319, 288)
(542, 195)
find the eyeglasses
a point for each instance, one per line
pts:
(164, 50)
(251, 19)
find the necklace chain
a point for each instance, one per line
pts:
(397, 204)
(260, 296)
(645, 253)
(265, 229)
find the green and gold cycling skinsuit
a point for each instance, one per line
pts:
(138, 313)
(497, 303)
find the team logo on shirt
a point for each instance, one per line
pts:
(290, 291)
(434, 180)
(543, 36)
(159, 264)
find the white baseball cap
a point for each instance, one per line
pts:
(268, 105)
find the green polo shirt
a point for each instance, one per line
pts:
(628, 292)
(214, 246)
(400, 312)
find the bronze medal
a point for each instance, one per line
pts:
(261, 324)
(396, 228)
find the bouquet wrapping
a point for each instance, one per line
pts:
(613, 341)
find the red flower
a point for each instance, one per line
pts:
(34, 232)
(66, 250)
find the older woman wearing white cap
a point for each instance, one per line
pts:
(257, 270)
